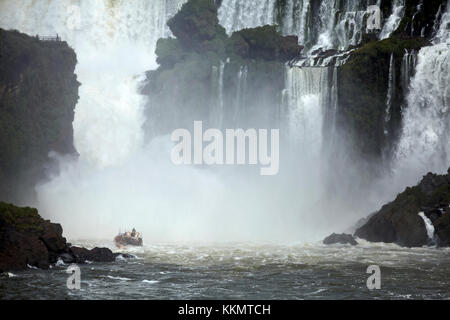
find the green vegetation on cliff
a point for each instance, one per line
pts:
(38, 94)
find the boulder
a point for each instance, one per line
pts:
(18, 251)
(399, 221)
(28, 240)
(95, 255)
(53, 240)
(340, 239)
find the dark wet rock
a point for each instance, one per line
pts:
(95, 255)
(21, 232)
(67, 258)
(38, 95)
(28, 240)
(18, 251)
(325, 53)
(399, 221)
(340, 239)
(264, 43)
(197, 26)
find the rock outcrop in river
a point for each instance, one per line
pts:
(418, 216)
(27, 240)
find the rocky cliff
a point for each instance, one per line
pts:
(206, 75)
(401, 221)
(38, 94)
(27, 240)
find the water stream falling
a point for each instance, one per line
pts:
(391, 90)
(409, 63)
(120, 180)
(115, 43)
(428, 225)
(425, 145)
(235, 15)
(393, 21)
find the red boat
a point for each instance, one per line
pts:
(129, 239)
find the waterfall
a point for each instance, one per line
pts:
(391, 90)
(425, 141)
(235, 15)
(217, 112)
(392, 23)
(326, 24)
(429, 227)
(437, 20)
(115, 43)
(240, 94)
(312, 106)
(409, 62)
(296, 19)
(418, 10)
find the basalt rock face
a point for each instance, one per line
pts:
(206, 75)
(364, 79)
(399, 221)
(38, 95)
(28, 240)
(420, 17)
(363, 91)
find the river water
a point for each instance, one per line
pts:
(245, 271)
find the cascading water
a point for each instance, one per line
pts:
(318, 24)
(391, 90)
(217, 112)
(120, 181)
(235, 15)
(425, 142)
(114, 42)
(304, 87)
(429, 227)
(409, 62)
(296, 19)
(392, 23)
(240, 94)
